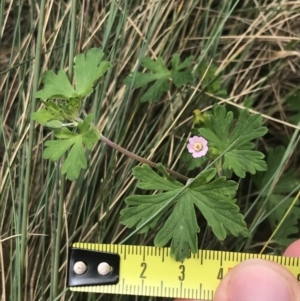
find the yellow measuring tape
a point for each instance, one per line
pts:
(150, 271)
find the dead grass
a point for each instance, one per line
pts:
(257, 54)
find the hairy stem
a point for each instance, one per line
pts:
(141, 159)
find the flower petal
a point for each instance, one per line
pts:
(190, 148)
(193, 139)
(203, 141)
(200, 154)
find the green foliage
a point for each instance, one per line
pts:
(192, 163)
(293, 101)
(209, 81)
(278, 203)
(88, 68)
(213, 197)
(76, 159)
(222, 133)
(93, 67)
(180, 74)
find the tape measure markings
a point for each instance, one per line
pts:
(149, 271)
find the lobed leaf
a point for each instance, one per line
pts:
(181, 228)
(242, 161)
(42, 116)
(156, 90)
(150, 180)
(89, 68)
(214, 198)
(54, 124)
(90, 137)
(180, 74)
(56, 86)
(56, 148)
(222, 134)
(75, 161)
(157, 66)
(141, 207)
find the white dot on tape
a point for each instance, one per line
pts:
(104, 268)
(79, 267)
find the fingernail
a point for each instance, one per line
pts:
(259, 283)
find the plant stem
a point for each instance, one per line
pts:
(140, 159)
(28, 174)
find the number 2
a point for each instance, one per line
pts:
(144, 266)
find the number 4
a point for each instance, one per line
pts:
(220, 274)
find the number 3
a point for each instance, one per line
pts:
(182, 269)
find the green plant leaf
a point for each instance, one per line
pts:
(65, 133)
(292, 101)
(160, 76)
(54, 124)
(214, 198)
(222, 133)
(156, 90)
(90, 137)
(89, 68)
(56, 86)
(278, 202)
(75, 160)
(190, 162)
(241, 161)
(42, 116)
(56, 148)
(157, 66)
(181, 228)
(179, 75)
(86, 123)
(90, 134)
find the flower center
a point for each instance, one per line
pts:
(197, 146)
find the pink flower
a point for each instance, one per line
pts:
(197, 146)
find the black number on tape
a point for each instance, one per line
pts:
(182, 270)
(144, 266)
(220, 274)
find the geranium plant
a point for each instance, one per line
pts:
(225, 145)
